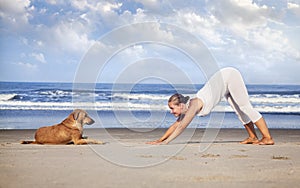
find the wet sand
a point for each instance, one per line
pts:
(126, 161)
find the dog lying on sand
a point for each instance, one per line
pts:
(68, 131)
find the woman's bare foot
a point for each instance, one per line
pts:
(265, 141)
(249, 140)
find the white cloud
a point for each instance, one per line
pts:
(39, 57)
(70, 39)
(98, 6)
(52, 2)
(65, 37)
(239, 16)
(272, 41)
(27, 65)
(15, 13)
(205, 27)
(39, 43)
(247, 30)
(295, 8)
(43, 11)
(246, 33)
(292, 5)
(158, 7)
(136, 51)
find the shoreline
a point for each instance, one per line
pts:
(12, 135)
(126, 161)
(109, 119)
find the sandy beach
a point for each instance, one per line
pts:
(125, 161)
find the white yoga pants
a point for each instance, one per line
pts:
(233, 89)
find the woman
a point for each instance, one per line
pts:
(227, 83)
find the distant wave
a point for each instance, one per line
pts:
(140, 96)
(143, 97)
(7, 97)
(55, 93)
(127, 106)
(275, 99)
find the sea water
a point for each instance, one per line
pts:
(31, 105)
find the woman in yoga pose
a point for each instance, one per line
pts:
(227, 83)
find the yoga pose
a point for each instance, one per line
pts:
(227, 83)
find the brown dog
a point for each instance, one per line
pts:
(68, 131)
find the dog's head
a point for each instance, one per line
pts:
(82, 118)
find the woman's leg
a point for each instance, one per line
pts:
(262, 126)
(252, 138)
(239, 94)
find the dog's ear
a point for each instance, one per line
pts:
(76, 114)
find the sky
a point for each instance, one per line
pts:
(52, 40)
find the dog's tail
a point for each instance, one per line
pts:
(28, 142)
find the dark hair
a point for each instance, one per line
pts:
(178, 98)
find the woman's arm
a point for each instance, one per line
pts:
(170, 130)
(194, 108)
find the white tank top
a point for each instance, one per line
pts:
(215, 89)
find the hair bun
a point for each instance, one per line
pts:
(179, 98)
(186, 99)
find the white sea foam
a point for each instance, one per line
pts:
(55, 93)
(105, 106)
(140, 96)
(6, 97)
(106, 101)
(276, 99)
(131, 106)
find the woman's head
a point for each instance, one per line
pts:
(177, 104)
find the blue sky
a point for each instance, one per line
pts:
(46, 40)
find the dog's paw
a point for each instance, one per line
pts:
(100, 142)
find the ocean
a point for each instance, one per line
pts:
(31, 105)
